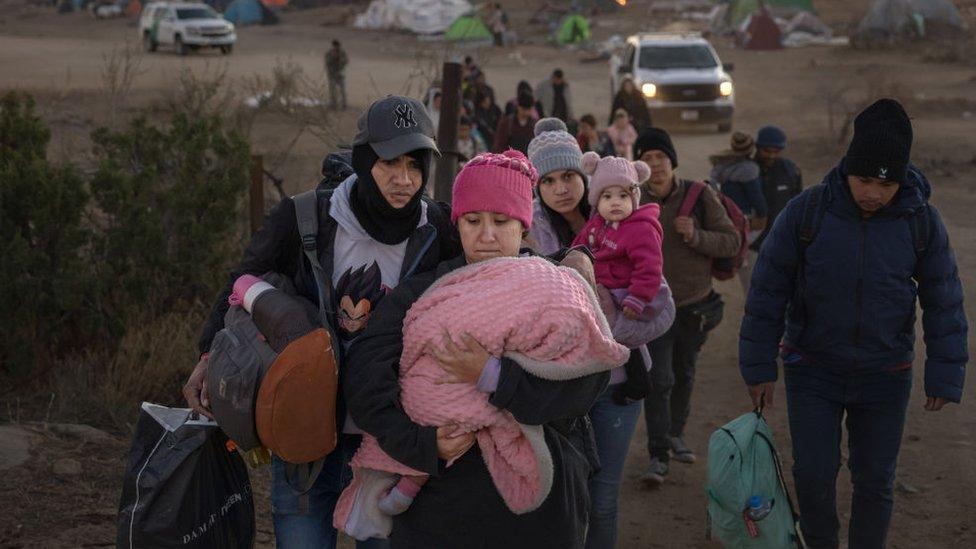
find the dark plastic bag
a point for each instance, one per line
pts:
(183, 487)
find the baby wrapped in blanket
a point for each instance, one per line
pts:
(545, 318)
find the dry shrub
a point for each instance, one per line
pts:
(842, 102)
(152, 361)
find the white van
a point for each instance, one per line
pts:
(185, 27)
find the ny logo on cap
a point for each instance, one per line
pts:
(403, 117)
(882, 173)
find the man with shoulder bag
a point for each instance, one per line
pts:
(691, 244)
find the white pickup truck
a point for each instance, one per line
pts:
(680, 75)
(185, 27)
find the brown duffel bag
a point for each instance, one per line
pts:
(296, 403)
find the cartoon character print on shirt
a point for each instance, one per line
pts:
(357, 294)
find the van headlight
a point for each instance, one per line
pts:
(649, 90)
(725, 88)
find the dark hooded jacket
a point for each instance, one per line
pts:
(855, 307)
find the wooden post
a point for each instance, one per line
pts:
(257, 192)
(447, 132)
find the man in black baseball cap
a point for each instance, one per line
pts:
(375, 229)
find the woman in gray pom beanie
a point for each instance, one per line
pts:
(560, 209)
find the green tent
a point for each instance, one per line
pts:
(740, 9)
(467, 28)
(575, 29)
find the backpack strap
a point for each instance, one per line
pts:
(307, 215)
(812, 213)
(920, 224)
(302, 476)
(693, 191)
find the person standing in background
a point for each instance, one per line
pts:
(553, 94)
(781, 181)
(335, 67)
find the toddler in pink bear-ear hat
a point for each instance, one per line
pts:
(624, 237)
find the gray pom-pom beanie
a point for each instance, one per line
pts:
(554, 148)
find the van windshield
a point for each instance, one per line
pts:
(675, 57)
(196, 13)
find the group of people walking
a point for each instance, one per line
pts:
(837, 269)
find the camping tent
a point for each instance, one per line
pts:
(574, 29)
(467, 28)
(761, 33)
(249, 12)
(417, 16)
(909, 18)
(740, 9)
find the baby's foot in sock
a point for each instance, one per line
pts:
(399, 497)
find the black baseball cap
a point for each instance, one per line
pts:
(395, 126)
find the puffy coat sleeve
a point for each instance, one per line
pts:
(533, 400)
(773, 285)
(943, 317)
(644, 252)
(372, 382)
(273, 248)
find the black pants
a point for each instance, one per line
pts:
(668, 404)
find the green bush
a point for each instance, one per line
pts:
(42, 241)
(149, 234)
(169, 202)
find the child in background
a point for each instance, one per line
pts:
(625, 239)
(622, 134)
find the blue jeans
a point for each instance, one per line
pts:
(613, 427)
(306, 523)
(874, 403)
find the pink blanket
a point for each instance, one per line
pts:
(545, 318)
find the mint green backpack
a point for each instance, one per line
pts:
(743, 465)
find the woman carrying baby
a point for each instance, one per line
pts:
(476, 380)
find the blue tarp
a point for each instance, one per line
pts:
(249, 12)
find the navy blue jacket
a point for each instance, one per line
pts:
(855, 308)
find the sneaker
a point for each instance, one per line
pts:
(656, 472)
(680, 452)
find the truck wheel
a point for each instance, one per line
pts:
(148, 43)
(725, 127)
(179, 46)
(227, 50)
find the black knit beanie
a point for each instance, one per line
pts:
(655, 139)
(882, 142)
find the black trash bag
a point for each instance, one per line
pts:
(183, 487)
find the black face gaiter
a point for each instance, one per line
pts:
(383, 222)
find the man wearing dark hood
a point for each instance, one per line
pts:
(834, 294)
(375, 229)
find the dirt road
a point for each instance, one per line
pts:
(61, 58)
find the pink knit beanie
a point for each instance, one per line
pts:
(613, 170)
(500, 183)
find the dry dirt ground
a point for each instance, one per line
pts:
(61, 59)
